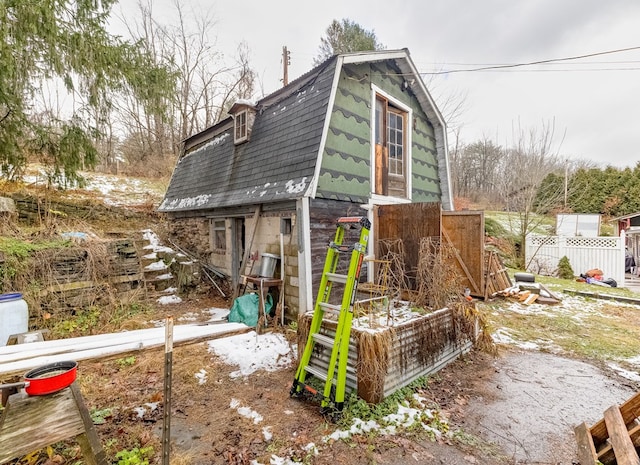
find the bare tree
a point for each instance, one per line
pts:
(147, 129)
(523, 169)
(205, 84)
(475, 170)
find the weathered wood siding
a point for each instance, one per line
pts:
(323, 217)
(409, 222)
(464, 230)
(346, 163)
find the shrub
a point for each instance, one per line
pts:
(564, 269)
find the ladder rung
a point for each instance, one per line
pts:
(350, 219)
(341, 247)
(338, 278)
(331, 308)
(317, 372)
(323, 340)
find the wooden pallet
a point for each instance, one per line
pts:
(613, 439)
(496, 277)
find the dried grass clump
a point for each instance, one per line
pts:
(304, 325)
(438, 279)
(471, 322)
(8, 225)
(393, 252)
(373, 358)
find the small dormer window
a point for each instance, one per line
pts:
(244, 115)
(240, 124)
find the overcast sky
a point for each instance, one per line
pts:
(593, 103)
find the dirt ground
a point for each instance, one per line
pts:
(516, 408)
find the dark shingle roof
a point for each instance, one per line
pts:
(278, 162)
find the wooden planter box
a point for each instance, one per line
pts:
(383, 360)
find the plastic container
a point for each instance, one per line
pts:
(14, 316)
(268, 265)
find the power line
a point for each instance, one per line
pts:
(625, 62)
(539, 62)
(555, 70)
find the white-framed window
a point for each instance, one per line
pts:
(391, 154)
(219, 236)
(240, 126)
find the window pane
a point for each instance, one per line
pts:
(219, 235)
(241, 125)
(379, 122)
(396, 142)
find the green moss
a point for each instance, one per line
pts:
(22, 249)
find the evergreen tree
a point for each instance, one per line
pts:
(66, 42)
(344, 37)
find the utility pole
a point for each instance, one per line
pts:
(286, 61)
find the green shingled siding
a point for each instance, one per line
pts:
(346, 171)
(420, 168)
(422, 196)
(339, 187)
(347, 164)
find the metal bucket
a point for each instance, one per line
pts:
(268, 265)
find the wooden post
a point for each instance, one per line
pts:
(168, 369)
(619, 435)
(586, 450)
(286, 61)
(247, 252)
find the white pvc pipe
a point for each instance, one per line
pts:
(154, 337)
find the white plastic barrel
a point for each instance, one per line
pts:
(14, 316)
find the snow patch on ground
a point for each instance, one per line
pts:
(246, 412)
(251, 352)
(169, 299)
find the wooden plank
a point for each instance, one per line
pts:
(409, 222)
(623, 448)
(634, 432)
(586, 449)
(31, 423)
(606, 455)
(598, 295)
(247, 250)
(465, 231)
(88, 440)
(126, 278)
(474, 286)
(629, 410)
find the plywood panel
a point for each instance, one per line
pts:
(465, 231)
(409, 222)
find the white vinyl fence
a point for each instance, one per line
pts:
(543, 253)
